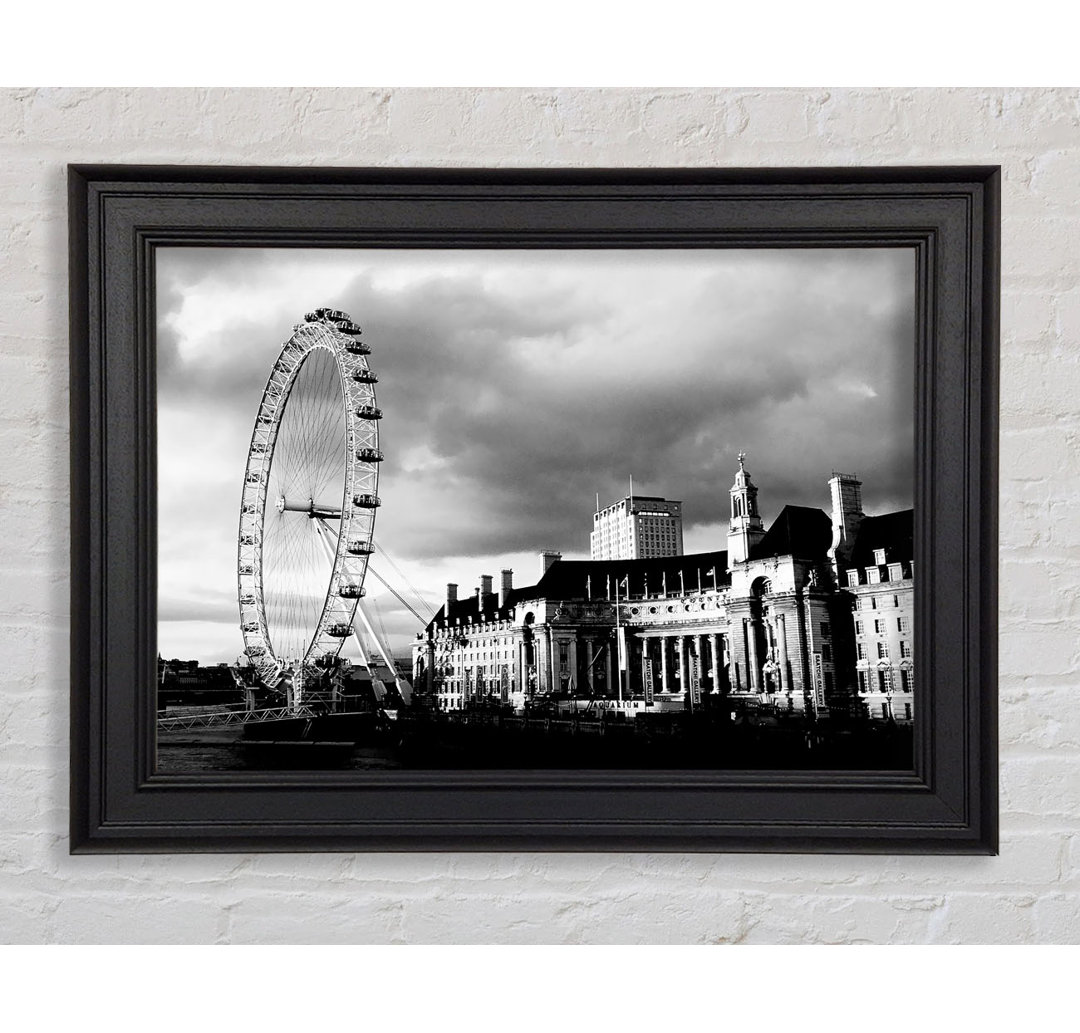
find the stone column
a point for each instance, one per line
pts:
(645, 655)
(589, 673)
(754, 673)
(553, 657)
(781, 637)
(575, 673)
(542, 646)
(714, 649)
(682, 645)
(664, 664)
(608, 688)
(519, 666)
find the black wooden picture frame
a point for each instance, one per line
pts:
(120, 215)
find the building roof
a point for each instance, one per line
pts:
(577, 579)
(893, 532)
(583, 579)
(799, 531)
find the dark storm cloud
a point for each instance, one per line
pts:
(528, 430)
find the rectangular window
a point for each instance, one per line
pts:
(873, 576)
(905, 679)
(907, 711)
(828, 681)
(863, 686)
(826, 653)
(905, 647)
(873, 602)
(903, 625)
(858, 627)
(879, 556)
(895, 573)
(853, 579)
(825, 629)
(879, 626)
(861, 648)
(882, 651)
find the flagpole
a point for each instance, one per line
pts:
(618, 642)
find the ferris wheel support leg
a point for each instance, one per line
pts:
(402, 685)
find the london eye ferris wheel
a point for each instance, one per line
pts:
(310, 495)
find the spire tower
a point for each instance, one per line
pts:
(745, 529)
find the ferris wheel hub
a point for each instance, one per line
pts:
(309, 507)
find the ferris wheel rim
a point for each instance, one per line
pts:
(336, 335)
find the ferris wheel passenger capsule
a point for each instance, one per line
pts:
(369, 412)
(366, 501)
(360, 548)
(351, 591)
(354, 347)
(365, 376)
(339, 630)
(369, 455)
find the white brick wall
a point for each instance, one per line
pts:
(1031, 893)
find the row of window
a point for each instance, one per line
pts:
(883, 650)
(874, 576)
(882, 680)
(877, 602)
(881, 626)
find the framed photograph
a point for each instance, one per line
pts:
(550, 510)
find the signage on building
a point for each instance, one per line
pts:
(695, 679)
(819, 680)
(648, 678)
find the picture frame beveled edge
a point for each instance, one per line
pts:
(974, 831)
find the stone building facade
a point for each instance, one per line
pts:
(779, 617)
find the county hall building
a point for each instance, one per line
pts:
(811, 615)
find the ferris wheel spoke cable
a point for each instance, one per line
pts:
(417, 596)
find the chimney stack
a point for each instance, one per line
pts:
(484, 590)
(548, 556)
(845, 490)
(506, 585)
(451, 597)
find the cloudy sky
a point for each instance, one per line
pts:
(516, 385)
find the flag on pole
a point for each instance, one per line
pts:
(622, 649)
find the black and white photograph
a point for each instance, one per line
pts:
(535, 509)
